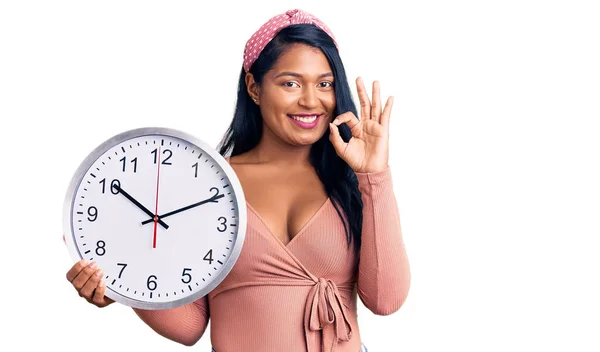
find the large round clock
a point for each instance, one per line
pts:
(161, 213)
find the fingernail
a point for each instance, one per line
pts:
(102, 283)
(99, 273)
(336, 121)
(83, 262)
(93, 265)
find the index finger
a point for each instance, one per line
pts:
(77, 267)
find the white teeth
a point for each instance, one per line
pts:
(304, 119)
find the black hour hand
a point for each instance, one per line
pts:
(139, 205)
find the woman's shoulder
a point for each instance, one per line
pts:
(240, 159)
(242, 165)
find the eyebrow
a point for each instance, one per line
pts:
(293, 74)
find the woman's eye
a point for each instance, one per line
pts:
(326, 84)
(291, 84)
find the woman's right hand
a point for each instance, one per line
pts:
(87, 280)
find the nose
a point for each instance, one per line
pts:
(309, 98)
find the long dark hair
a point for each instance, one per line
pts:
(245, 130)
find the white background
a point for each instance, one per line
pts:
(494, 153)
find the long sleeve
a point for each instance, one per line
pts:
(185, 324)
(383, 271)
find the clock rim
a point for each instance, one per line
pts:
(168, 132)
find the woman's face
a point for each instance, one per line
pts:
(296, 96)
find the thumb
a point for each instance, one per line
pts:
(338, 143)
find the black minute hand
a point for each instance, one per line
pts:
(211, 199)
(139, 205)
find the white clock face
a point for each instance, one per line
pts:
(161, 214)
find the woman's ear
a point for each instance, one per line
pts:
(252, 87)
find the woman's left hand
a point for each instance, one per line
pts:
(368, 149)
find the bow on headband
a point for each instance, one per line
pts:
(269, 30)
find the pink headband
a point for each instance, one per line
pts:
(267, 32)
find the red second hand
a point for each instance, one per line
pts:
(156, 206)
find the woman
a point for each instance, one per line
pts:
(323, 223)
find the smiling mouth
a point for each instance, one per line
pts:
(305, 118)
